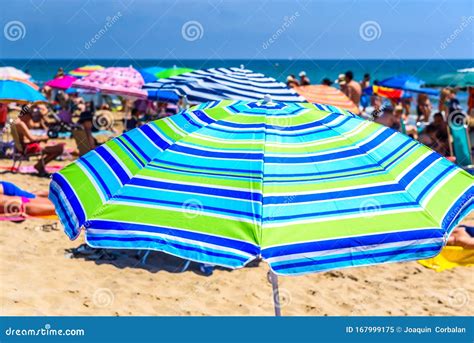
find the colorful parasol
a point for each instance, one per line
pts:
(327, 95)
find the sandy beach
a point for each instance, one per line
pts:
(39, 277)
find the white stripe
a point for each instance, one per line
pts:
(92, 180)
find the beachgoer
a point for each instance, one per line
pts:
(134, 121)
(291, 81)
(304, 80)
(60, 73)
(388, 118)
(462, 236)
(365, 82)
(353, 90)
(326, 82)
(423, 108)
(341, 81)
(32, 143)
(86, 120)
(15, 201)
(470, 102)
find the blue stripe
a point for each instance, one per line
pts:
(370, 255)
(244, 171)
(356, 151)
(248, 155)
(282, 199)
(114, 165)
(211, 190)
(180, 204)
(105, 190)
(70, 197)
(155, 137)
(198, 237)
(137, 148)
(126, 148)
(349, 242)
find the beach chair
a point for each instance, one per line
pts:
(460, 145)
(80, 137)
(19, 153)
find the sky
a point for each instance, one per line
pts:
(228, 29)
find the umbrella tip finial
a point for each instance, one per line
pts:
(267, 98)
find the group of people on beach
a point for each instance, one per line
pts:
(430, 126)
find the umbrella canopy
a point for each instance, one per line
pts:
(152, 74)
(328, 95)
(408, 83)
(19, 91)
(461, 79)
(162, 95)
(226, 83)
(126, 82)
(13, 73)
(63, 82)
(85, 70)
(386, 92)
(306, 187)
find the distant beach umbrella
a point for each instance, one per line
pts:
(12, 73)
(461, 79)
(408, 83)
(19, 91)
(85, 70)
(126, 82)
(386, 92)
(152, 74)
(63, 82)
(306, 188)
(327, 95)
(226, 83)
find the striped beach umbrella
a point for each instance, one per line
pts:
(85, 70)
(322, 94)
(226, 83)
(306, 187)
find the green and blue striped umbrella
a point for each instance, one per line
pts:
(307, 187)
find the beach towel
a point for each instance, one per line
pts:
(450, 257)
(32, 170)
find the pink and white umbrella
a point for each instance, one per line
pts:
(126, 82)
(63, 82)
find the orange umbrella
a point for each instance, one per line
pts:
(327, 95)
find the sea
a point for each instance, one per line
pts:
(427, 69)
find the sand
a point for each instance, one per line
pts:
(39, 277)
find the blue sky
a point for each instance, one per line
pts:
(342, 29)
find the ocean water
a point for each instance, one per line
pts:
(428, 70)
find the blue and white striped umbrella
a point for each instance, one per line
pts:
(226, 83)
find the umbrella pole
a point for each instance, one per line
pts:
(276, 295)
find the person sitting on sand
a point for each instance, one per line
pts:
(15, 201)
(304, 80)
(326, 82)
(423, 108)
(86, 120)
(32, 143)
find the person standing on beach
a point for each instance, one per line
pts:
(353, 89)
(60, 73)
